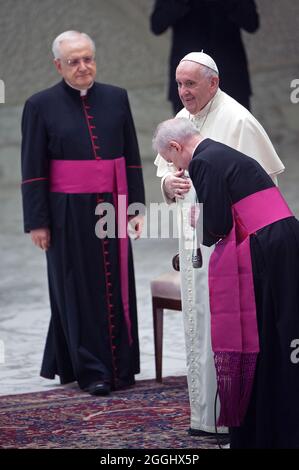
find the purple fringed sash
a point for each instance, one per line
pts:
(99, 176)
(234, 331)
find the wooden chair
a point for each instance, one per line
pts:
(166, 294)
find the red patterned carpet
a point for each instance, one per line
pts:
(148, 415)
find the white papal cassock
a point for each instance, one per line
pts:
(223, 119)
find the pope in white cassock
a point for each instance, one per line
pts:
(219, 117)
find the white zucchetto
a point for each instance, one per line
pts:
(201, 58)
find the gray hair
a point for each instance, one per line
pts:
(68, 36)
(178, 129)
(208, 72)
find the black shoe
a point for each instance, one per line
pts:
(121, 384)
(223, 438)
(99, 389)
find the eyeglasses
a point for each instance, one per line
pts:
(76, 62)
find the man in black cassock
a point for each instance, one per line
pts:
(255, 264)
(79, 149)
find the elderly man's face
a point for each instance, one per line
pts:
(76, 63)
(194, 88)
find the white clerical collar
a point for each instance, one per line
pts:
(82, 92)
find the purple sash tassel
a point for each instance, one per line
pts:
(235, 376)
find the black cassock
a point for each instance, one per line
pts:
(222, 176)
(87, 339)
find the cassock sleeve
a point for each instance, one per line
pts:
(133, 161)
(35, 181)
(241, 12)
(167, 12)
(211, 190)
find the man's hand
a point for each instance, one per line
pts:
(135, 226)
(176, 185)
(41, 237)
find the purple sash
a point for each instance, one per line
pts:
(99, 176)
(234, 330)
